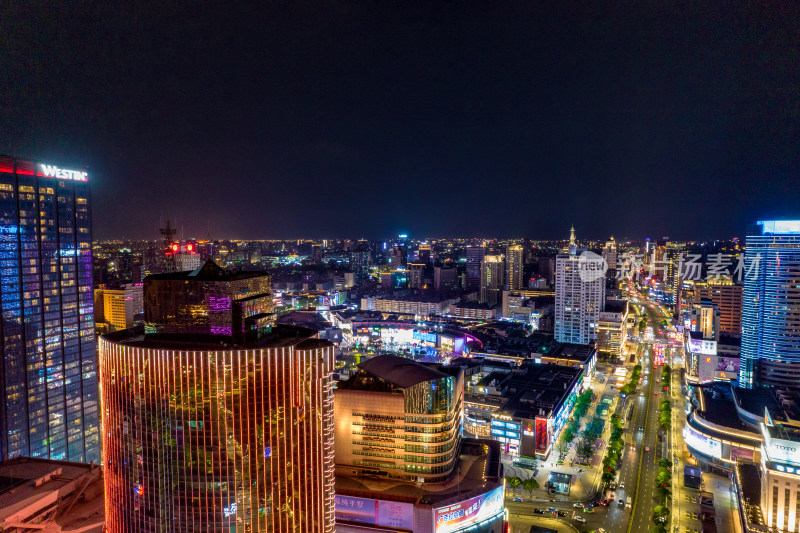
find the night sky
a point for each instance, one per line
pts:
(351, 119)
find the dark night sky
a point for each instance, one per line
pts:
(320, 119)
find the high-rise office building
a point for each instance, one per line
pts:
(491, 290)
(424, 253)
(472, 275)
(398, 257)
(48, 378)
(770, 310)
(610, 254)
(514, 267)
(209, 301)
(360, 262)
(212, 422)
(705, 319)
(445, 278)
(118, 307)
(579, 298)
(727, 296)
(416, 275)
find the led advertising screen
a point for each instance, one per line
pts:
(701, 443)
(469, 512)
(703, 346)
(397, 515)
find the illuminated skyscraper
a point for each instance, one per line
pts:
(472, 276)
(491, 280)
(579, 298)
(770, 309)
(218, 421)
(514, 267)
(48, 377)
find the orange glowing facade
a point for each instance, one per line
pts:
(201, 437)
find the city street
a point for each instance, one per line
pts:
(640, 456)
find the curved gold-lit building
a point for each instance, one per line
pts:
(217, 437)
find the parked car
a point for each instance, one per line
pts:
(518, 499)
(562, 514)
(538, 511)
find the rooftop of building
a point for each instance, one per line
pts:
(477, 472)
(208, 271)
(29, 486)
(398, 371)
(422, 297)
(280, 336)
(749, 481)
(616, 306)
(475, 305)
(535, 389)
(467, 362)
(304, 319)
(718, 407)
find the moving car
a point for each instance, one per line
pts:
(518, 499)
(577, 505)
(580, 519)
(621, 503)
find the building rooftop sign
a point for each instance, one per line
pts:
(52, 171)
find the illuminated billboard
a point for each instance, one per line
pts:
(469, 512)
(703, 346)
(397, 515)
(703, 444)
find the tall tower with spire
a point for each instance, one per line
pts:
(573, 248)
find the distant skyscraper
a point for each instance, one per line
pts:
(360, 262)
(491, 291)
(424, 253)
(579, 301)
(398, 257)
(610, 253)
(770, 309)
(472, 276)
(316, 254)
(48, 381)
(445, 278)
(214, 423)
(514, 267)
(416, 275)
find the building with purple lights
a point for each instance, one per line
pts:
(209, 301)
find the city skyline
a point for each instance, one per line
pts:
(426, 120)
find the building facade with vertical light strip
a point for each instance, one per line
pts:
(213, 418)
(201, 438)
(48, 376)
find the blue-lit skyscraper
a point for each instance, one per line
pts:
(771, 305)
(48, 377)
